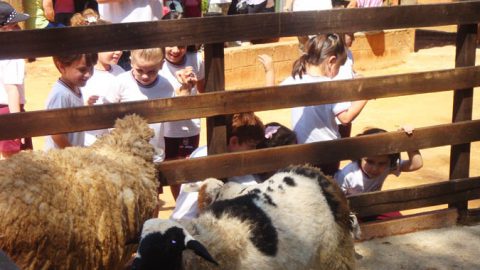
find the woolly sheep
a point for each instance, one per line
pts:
(297, 219)
(77, 208)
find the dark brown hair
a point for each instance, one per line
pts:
(317, 49)
(68, 60)
(246, 126)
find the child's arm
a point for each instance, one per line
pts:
(13, 93)
(351, 113)
(48, 10)
(267, 63)
(61, 140)
(415, 160)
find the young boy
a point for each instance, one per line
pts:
(144, 83)
(12, 76)
(244, 132)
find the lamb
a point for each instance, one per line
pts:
(297, 219)
(77, 208)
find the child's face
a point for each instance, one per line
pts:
(77, 74)
(175, 54)
(375, 166)
(145, 72)
(109, 58)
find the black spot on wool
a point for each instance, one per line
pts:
(323, 182)
(289, 181)
(269, 200)
(264, 235)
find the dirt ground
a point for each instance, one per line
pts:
(414, 251)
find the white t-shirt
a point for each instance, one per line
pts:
(186, 206)
(131, 11)
(12, 72)
(130, 90)
(62, 97)
(183, 128)
(352, 180)
(304, 5)
(101, 83)
(346, 70)
(315, 123)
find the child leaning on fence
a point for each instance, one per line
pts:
(75, 71)
(182, 137)
(12, 76)
(324, 54)
(105, 72)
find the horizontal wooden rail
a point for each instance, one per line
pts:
(211, 104)
(35, 43)
(380, 202)
(231, 164)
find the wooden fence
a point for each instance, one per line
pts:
(213, 31)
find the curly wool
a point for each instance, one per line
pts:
(76, 208)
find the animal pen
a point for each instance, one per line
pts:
(214, 31)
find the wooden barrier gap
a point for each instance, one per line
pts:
(39, 123)
(46, 42)
(380, 202)
(232, 164)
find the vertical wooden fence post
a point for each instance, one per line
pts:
(215, 81)
(462, 110)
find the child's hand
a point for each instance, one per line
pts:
(92, 100)
(266, 61)
(188, 79)
(407, 128)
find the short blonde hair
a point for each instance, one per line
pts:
(150, 54)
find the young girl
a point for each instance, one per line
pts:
(321, 61)
(12, 75)
(105, 72)
(181, 137)
(75, 71)
(369, 173)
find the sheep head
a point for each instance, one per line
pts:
(130, 134)
(162, 244)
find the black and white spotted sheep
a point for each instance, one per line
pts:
(297, 219)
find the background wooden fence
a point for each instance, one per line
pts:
(213, 31)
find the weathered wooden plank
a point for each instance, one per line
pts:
(462, 107)
(231, 164)
(422, 221)
(380, 202)
(45, 42)
(213, 104)
(215, 82)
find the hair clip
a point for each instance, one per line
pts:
(270, 130)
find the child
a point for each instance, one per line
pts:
(244, 132)
(12, 76)
(369, 173)
(144, 83)
(321, 62)
(181, 137)
(275, 135)
(75, 71)
(105, 72)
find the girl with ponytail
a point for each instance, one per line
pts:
(324, 54)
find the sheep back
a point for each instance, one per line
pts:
(76, 208)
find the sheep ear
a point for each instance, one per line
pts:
(200, 250)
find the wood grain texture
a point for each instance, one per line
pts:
(271, 159)
(39, 123)
(46, 42)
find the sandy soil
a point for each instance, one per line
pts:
(458, 249)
